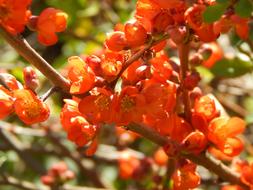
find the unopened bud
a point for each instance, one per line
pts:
(30, 78)
(177, 34)
(32, 23)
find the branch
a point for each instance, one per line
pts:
(205, 160)
(17, 146)
(183, 52)
(77, 159)
(26, 51)
(26, 185)
(138, 55)
(22, 130)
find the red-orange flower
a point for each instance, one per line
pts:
(231, 187)
(111, 64)
(136, 34)
(77, 127)
(195, 142)
(6, 102)
(49, 22)
(161, 68)
(81, 76)
(222, 132)
(165, 4)
(29, 108)
(128, 163)
(97, 107)
(216, 54)
(130, 106)
(205, 106)
(194, 18)
(116, 41)
(14, 15)
(186, 177)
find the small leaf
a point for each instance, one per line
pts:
(243, 8)
(231, 68)
(214, 12)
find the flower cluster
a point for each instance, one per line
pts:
(14, 97)
(15, 15)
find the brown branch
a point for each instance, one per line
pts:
(8, 180)
(26, 185)
(138, 55)
(183, 52)
(75, 156)
(17, 146)
(26, 51)
(22, 130)
(205, 160)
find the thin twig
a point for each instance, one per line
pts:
(51, 91)
(138, 55)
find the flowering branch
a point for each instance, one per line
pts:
(205, 160)
(210, 163)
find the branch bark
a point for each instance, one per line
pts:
(26, 51)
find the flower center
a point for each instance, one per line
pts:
(127, 103)
(102, 102)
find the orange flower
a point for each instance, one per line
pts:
(227, 22)
(111, 64)
(160, 98)
(128, 163)
(205, 106)
(69, 111)
(175, 127)
(161, 68)
(14, 15)
(98, 106)
(195, 142)
(231, 187)
(185, 177)
(222, 132)
(81, 75)
(136, 34)
(165, 4)
(11, 81)
(147, 9)
(160, 157)
(241, 26)
(6, 102)
(77, 127)
(49, 22)
(29, 108)
(129, 106)
(216, 54)
(116, 41)
(194, 17)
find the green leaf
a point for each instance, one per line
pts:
(214, 12)
(222, 1)
(243, 8)
(231, 68)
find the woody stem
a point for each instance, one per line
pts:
(183, 52)
(26, 51)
